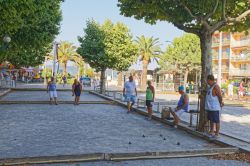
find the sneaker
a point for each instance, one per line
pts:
(175, 126)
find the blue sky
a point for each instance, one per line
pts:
(76, 12)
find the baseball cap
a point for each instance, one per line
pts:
(181, 88)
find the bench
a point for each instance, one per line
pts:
(166, 114)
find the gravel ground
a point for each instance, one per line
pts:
(42, 130)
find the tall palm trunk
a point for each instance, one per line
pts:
(144, 74)
(65, 68)
(185, 80)
(120, 79)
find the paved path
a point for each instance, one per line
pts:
(235, 120)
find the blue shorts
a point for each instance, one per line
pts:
(130, 98)
(77, 93)
(149, 103)
(213, 116)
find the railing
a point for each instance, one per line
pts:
(240, 58)
(224, 56)
(239, 72)
(163, 87)
(240, 43)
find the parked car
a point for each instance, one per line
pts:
(86, 81)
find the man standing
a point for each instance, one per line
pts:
(150, 97)
(64, 78)
(182, 106)
(241, 90)
(130, 93)
(213, 106)
(51, 88)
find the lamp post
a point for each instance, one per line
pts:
(54, 58)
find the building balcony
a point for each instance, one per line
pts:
(240, 72)
(216, 43)
(240, 43)
(224, 56)
(223, 69)
(240, 58)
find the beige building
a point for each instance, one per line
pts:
(235, 59)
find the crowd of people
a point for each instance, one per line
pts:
(213, 102)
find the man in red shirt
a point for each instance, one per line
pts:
(241, 90)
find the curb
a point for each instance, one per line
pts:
(59, 102)
(117, 156)
(5, 92)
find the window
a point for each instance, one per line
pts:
(243, 66)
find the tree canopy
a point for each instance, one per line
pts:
(184, 54)
(32, 26)
(107, 46)
(201, 17)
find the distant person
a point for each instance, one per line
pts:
(94, 83)
(230, 91)
(130, 93)
(64, 79)
(81, 80)
(241, 90)
(182, 106)
(51, 88)
(213, 105)
(76, 91)
(14, 80)
(150, 97)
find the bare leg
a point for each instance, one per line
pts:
(211, 127)
(78, 98)
(75, 100)
(150, 112)
(129, 107)
(217, 129)
(51, 101)
(55, 100)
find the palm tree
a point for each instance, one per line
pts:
(67, 52)
(149, 48)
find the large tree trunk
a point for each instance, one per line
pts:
(144, 74)
(185, 79)
(120, 79)
(206, 64)
(102, 81)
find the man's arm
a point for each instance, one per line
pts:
(135, 91)
(186, 99)
(217, 92)
(48, 87)
(123, 92)
(153, 90)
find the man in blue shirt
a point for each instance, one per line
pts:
(182, 106)
(130, 93)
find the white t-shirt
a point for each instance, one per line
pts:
(130, 88)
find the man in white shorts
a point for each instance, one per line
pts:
(51, 88)
(130, 93)
(182, 106)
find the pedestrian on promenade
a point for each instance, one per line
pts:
(213, 105)
(231, 91)
(130, 93)
(76, 91)
(51, 88)
(182, 106)
(241, 90)
(150, 97)
(64, 79)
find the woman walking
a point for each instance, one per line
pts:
(150, 97)
(76, 91)
(51, 89)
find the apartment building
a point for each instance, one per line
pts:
(235, 59)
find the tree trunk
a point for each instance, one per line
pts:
(144, 74)
(206, 64)
(185, 79)
(120, 79)
(102, 81)
(65, 68)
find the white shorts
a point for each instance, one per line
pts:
(52, 94)
(179, 112)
